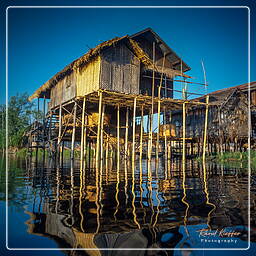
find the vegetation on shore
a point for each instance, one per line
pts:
(21, 114)
(233, 159)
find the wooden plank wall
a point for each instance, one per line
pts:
(120, 70)
(64, 90)
(88, 78)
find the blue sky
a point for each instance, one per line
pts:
(43, 41)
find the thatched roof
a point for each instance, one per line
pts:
(91, 54)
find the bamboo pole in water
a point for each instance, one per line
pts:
(152, 106)
(159, 111)
(141, 131)
(98, 131)
(149, 138)
(133, 131)
(101, 134)
(118, 137)
(73, 133)
(50, 135)
(165, 136)
(126, 132)
(85, 137)
(184, 133)
(205, 126)
(60, 127)
(82, 134)
(158, 125)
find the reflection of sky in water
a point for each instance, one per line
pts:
(49, 210)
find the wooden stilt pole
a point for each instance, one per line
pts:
(73, 133)
(205, 126)
(184, 133)
(126, 132)
(152, 104)
(149, 136)
(82, 134)
(133, 131)
(101, 134)
(118, 137)
(98, 131)
(165, 136)
(159, 111)
(85, 137)
(50, 135)
(141, 131)
(60, 128)
(158, 129)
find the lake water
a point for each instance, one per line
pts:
(153, 206)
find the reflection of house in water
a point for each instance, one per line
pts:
(81, 213)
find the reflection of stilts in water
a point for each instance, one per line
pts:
(97, 201)
(133, 197)
(81, 192)
(72, 191)
(101, 158)
(150, 200)
(207, 195)
(184, 168)
(141, 191)
(157, 195)
(117, 192)
(58, 188)
(125, 181)
(118, 162)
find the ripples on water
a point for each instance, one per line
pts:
(165, 207)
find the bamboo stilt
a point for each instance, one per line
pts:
(82, 134)
(141, 131)
(159, 111)
(205, 126)
(101, 137)
(60, 128)
(50, 135)
(152, 106)
(85, 137)
(118, 137)
(73, 133)
(165, 136)
(184, 133)
(126, 132)
(133, 131)
(149, 136)
(158, 127)
(98, 131)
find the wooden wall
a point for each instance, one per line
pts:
(64, 90)
(88, 79)
(120, 70)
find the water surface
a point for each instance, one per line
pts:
(153, 206)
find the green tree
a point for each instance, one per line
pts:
(21, 113)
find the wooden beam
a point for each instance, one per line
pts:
(73, 133)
